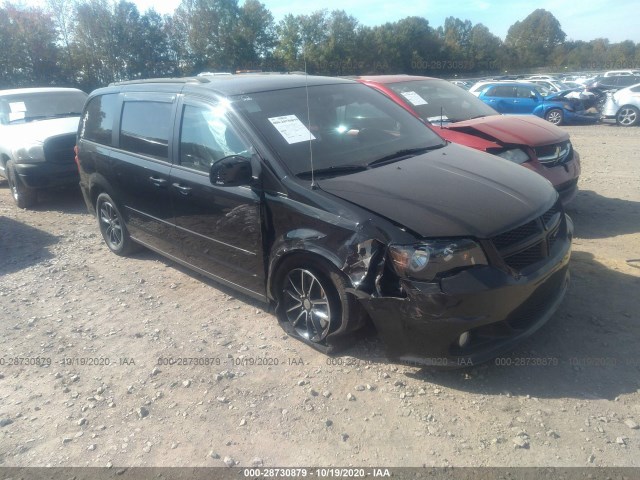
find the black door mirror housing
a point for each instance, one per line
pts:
(232, 171)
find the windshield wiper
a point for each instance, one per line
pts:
(405, 153)
(67, 114)
(51, 115)
(335, 170)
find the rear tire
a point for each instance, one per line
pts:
(23, 196)
(112, 226)
(554, 116)
(628, 116)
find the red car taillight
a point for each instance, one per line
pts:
(77, 160)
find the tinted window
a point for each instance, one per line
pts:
(525, 92)
(145, 128)
(501, 91)
(97, 123)
(206, 136)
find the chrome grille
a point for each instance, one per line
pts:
(555, 154)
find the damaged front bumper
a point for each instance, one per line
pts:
(470, 317)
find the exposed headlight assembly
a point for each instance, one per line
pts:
(33, 153)
(428, 260)
(516, 155)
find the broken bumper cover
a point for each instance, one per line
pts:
(495, 308)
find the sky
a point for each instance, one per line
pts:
(586, 20)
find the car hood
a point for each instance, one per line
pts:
(450, 192)
(38, 130)
(512, 130)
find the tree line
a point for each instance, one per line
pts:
(91, 43)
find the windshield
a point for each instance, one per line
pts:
(28, 106)
(433, 98)
(348, 126)
(543, 91)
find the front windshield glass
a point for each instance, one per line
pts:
(347, 127)
(433, 98)
(26, 107)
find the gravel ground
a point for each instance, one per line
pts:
(569, 396)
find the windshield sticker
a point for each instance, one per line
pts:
(414, 98)
(17, 107)
(13, 116)
(292, 129)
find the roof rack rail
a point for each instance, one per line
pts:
(163, 80)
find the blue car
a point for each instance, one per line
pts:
(527, 98)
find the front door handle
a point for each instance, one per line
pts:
(182, 189)
(158, 182)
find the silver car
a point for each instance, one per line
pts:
(624, 106)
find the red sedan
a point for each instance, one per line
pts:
(461, 118)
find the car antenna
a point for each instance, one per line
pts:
(306, 88)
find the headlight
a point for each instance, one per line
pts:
(29, 154)
(516, 155)
(430, 259)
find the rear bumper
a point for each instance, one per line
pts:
(497, 310)
(48, 175)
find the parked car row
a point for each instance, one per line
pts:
(339, 202)
(608, 96)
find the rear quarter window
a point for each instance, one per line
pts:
(97, 121)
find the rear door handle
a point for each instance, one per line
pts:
(182, 189)
(158, 182)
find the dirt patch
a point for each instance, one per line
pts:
(240, 391)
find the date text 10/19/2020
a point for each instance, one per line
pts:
(332, 472)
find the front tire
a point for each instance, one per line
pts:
(628, 116)
(312, 300)
(23, 196)
(554, 116)
(112, 226)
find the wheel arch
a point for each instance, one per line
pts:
(285, 254)
(99, 184)
(353, 321)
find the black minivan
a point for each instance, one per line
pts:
(329, 201)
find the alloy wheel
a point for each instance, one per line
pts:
(111, 225)
(627, 116)
(555, 117)
(306, 305)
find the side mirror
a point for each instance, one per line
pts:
(231, 171)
